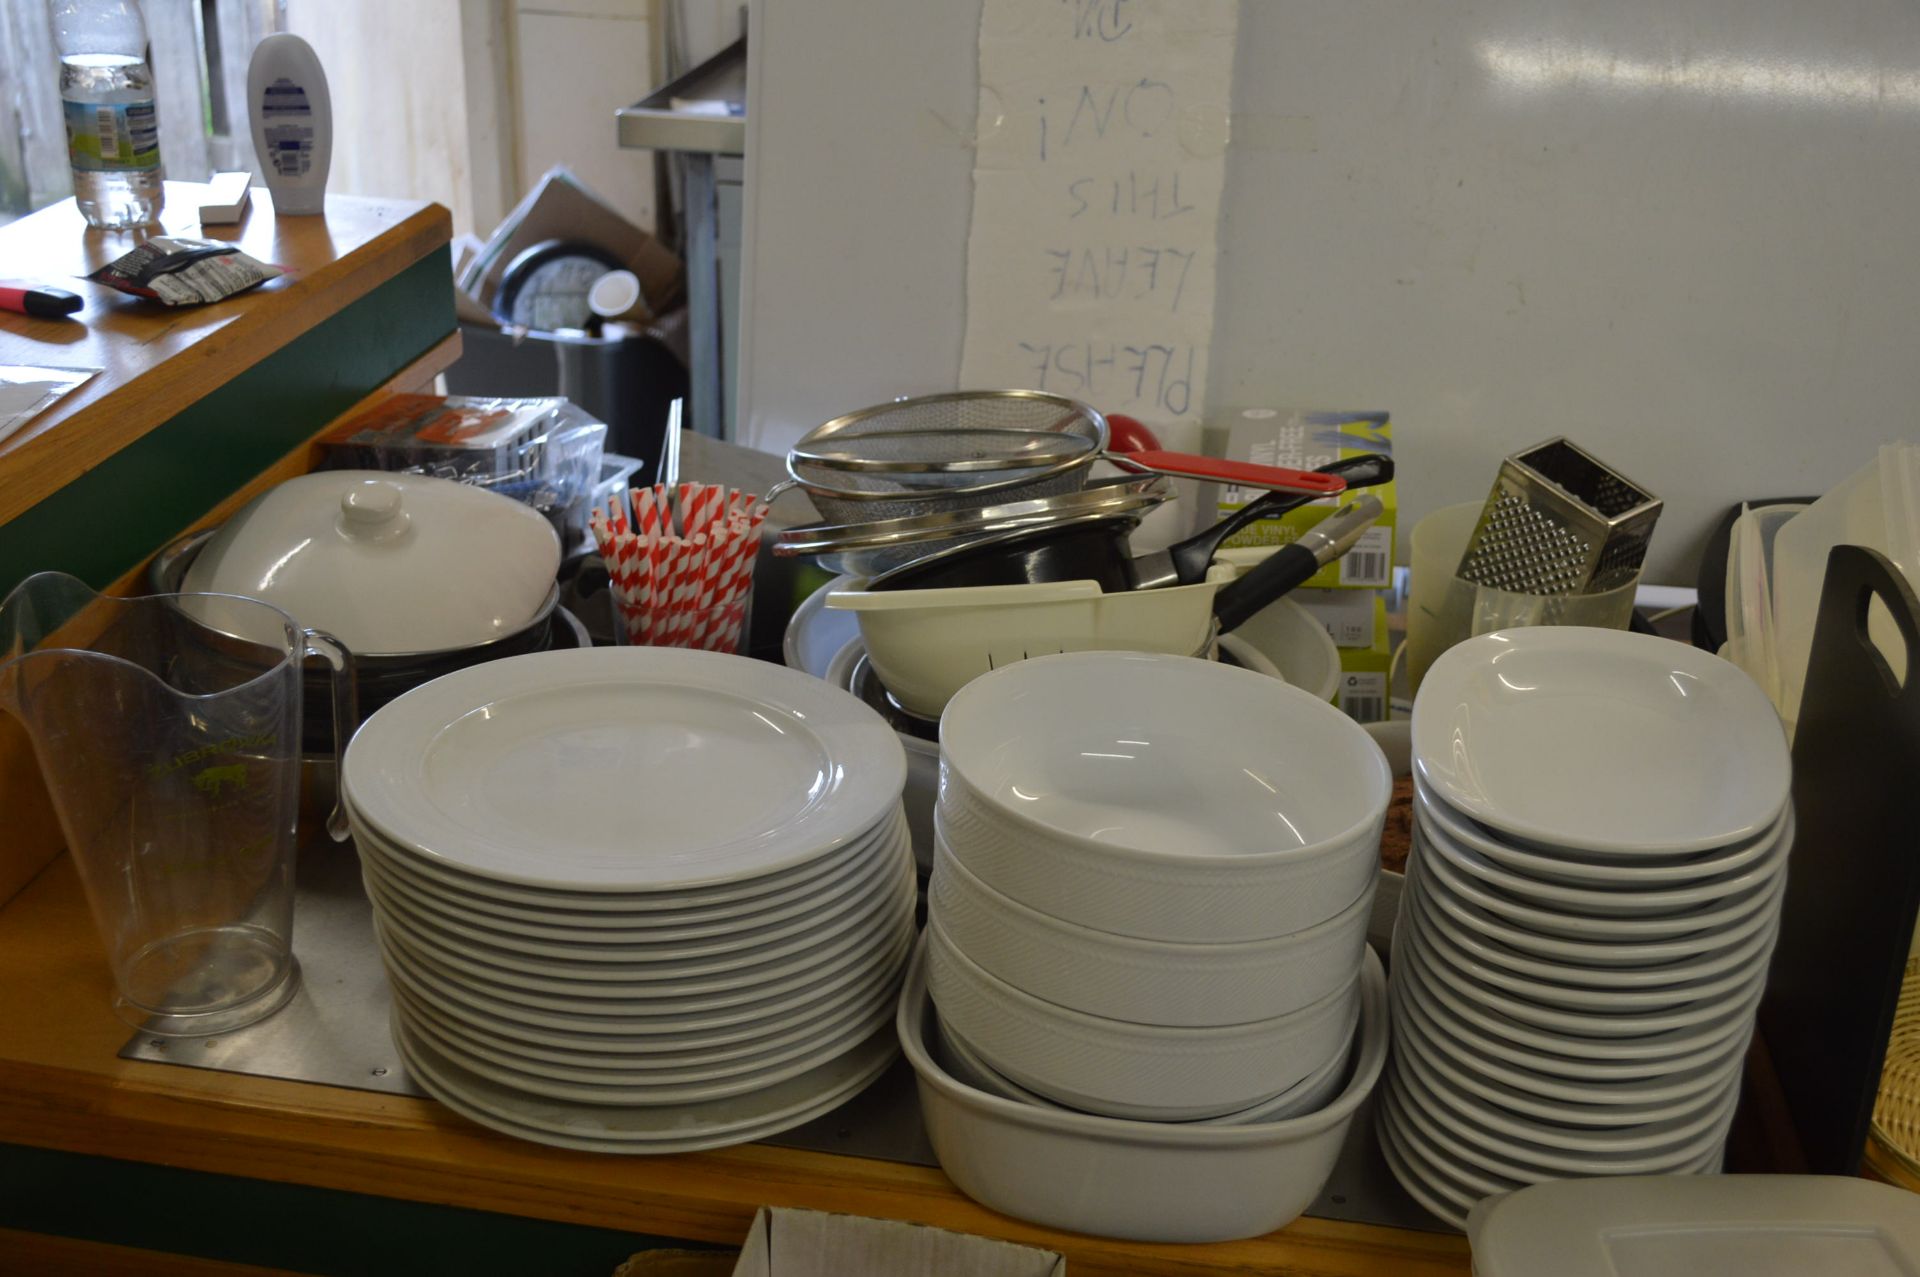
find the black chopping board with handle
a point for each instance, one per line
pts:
(1853, 880)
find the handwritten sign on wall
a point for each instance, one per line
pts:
(1102, 139)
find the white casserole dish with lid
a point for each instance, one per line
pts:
(390, 564)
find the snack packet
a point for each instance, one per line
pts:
(184, 272)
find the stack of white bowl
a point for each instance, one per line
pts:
(636, 900)
(1152, 878)
(1601, 840)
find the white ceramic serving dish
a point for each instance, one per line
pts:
(353, 552)
(1704, 918)
(1112, 1067)
(1525, 1080)
(1581, 1026)
(1144, 981)
(1620, 900)
(672, 1128)
(1146, 1181)
(1467, 1079)
(1298, 645)
(1602, 741)
(1161, 797)
(619, 769)
(928, 644)
(1308, 1095)
(1579, 869)
(1624, 956)
(1462, 952)
(1650, 1055)
(1511, 1144)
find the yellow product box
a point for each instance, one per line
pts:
(1362, 692)
(1307, 441)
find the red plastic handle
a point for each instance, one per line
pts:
(1129, 434)
(1187, 465)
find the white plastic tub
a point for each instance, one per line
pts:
(1143, 1181)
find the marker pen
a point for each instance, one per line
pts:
(42, 303)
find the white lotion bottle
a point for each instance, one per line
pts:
(292, 115)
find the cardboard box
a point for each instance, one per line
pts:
(562, 208)
(804, 1243)
(1348, 614)
(1363, 689)
(1306, 441)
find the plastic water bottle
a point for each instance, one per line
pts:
(106, 91)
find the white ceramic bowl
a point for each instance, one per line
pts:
(1144, 981)
(1145, 1181)
(1298, 645)
(1601, 740)
(1161, 797)
(1112, 1067)
(1309, 1095)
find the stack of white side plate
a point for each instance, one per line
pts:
(1600, 850)
(636, 899)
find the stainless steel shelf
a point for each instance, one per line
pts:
(653, 123)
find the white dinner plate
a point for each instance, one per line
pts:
(1437, 1194)
(606, 959)
(622, 1004)
(701, 976)
(688, 1029)
(691, 1085)
(555, 921)
(624, 769)
(675, 1128)
(1601, 740)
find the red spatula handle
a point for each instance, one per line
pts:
(1187, 465)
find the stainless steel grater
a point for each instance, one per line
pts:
(1558, 521)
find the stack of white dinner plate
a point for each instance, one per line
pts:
(1602, 827)
(1151, 887)
(636, 899)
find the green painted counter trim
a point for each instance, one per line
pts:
(306, 1230)
(116, 515)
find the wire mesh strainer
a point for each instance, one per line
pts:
(944, 452)
(1896, 1111)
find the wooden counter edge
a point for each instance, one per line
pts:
(47, 456)
(63, 1087)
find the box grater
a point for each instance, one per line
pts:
(1558, 521)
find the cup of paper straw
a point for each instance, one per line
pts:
(681, 564)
